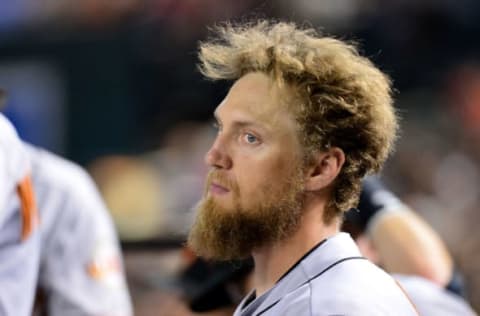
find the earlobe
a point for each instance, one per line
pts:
(326, 166)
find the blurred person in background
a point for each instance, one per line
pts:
(81, 269)
(394, 237)
(19, 233)
(305, 120)
(77, 256)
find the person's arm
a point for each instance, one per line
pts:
(19, 261)
(404, 242)
(81, 263)
(19, 233)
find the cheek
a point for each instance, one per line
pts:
(267, 174)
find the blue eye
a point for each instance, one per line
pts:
(250, 138)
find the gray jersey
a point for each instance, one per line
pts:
(81, 268)
(19, 236)
(432, 300)
(332, 280)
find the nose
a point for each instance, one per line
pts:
(217, 156)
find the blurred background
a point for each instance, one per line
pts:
(113, 86)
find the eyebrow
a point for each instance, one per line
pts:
(240, 123)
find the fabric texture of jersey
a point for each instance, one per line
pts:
(349, 285)
(19, 257)
(81, 269)
(432, 300)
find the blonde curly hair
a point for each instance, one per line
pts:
(340, 98)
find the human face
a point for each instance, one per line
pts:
(253, 192)
(256, 144)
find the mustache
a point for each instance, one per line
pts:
(217, 177)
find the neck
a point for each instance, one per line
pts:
(273, 260)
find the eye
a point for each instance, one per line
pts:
(250, 138)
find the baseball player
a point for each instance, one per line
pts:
(77, 256)
(306, 118)
(19, 234)
(390, 234)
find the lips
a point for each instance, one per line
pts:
(218, 189)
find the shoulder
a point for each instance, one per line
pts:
(358, 287)
(52, 172)
(14, 164)
(359, 272)
(309, 300)
(14, 169)
(65, 192)
(431, 299)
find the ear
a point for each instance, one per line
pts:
(326, 165)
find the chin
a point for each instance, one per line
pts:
(225, 203)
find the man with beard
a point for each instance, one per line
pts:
(305, 120)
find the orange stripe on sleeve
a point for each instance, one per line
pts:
(28, 207)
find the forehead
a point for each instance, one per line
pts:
(256, 96)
